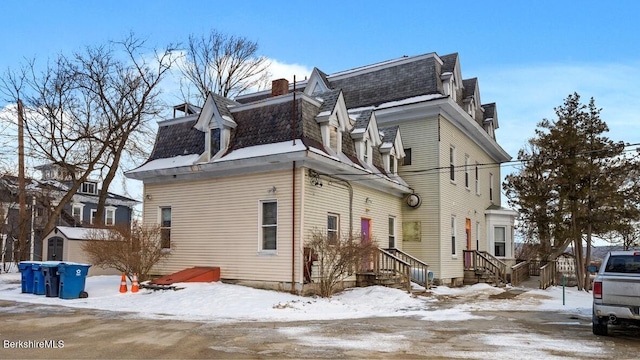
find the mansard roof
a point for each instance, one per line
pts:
(177, 138)
(491, 113)
(371, 86)
(469, 87)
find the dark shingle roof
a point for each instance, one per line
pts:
(489, 110)
(223, 104)
(329, 99)
(469, 86)
(177, 139)
(389, 134)
(449, 62)
(392, 83)
(363, 119)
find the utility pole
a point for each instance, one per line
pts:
(22, 198)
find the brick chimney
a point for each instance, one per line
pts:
(279, 87)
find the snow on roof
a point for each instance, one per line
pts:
(78, 233)
(411, 100)
(172, 162)
(264, 150)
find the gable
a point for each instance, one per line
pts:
(317, 83)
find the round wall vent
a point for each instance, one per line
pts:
(414, 201)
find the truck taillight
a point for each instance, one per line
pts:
(597, 290)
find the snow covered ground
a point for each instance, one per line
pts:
(219, 302)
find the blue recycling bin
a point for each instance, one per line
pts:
(51, 278)
(26, 273)
(72, 280)
(39, 286)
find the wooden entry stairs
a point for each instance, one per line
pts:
(482, 267)
(395, 268)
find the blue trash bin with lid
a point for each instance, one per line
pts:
(26, 273)
(72, 280)
(39, 286)
(51, 278)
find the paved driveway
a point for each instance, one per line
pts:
(499, 335)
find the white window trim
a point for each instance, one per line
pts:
(477, 175)
(337, 229)
(454, 237)
(491, 195)
(107, 210)
(504, 241)
(262, 251)
(165, 227)
(393, 233)
(92, 215)
(452, 164)
(478, 235)
(78, 206)
(467, 175)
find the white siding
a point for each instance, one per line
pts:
(421, 136)
(215, 222)
(460, 201)
(333, 197)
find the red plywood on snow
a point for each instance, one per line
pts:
(194, 274)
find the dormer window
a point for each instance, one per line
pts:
(89, 188)
(392, 164)
(365, 152)
(214, 142)
(333, 138)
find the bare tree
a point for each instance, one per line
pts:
(336, 259)
(132, 250)
(223, 64)
(86, 111)
(127, 97)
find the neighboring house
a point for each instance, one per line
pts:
(64, 243)
(401, 151)
(41, 194)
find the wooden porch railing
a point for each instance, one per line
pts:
(388, 268)
(548, 275)
(419, 270)
(519, 273)
(483, 261)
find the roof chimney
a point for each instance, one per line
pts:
(279, 87)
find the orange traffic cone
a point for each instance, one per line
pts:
(134, 284)
(123, 284)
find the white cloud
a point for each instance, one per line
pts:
(281, 70)
(527, 94)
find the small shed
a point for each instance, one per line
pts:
(64, 243)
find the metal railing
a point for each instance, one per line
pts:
(419, 271)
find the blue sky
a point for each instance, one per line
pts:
(527, 55)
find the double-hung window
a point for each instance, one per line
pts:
(499, 240)
(333, 228)
(452, 163)
(453, 235)
(392, 232)
(269, 225)
(165, 227)
(110, 216)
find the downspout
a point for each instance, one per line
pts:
(350, 188)
(293, 195)
(293, 227)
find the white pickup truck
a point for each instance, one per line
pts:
(616, 291)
